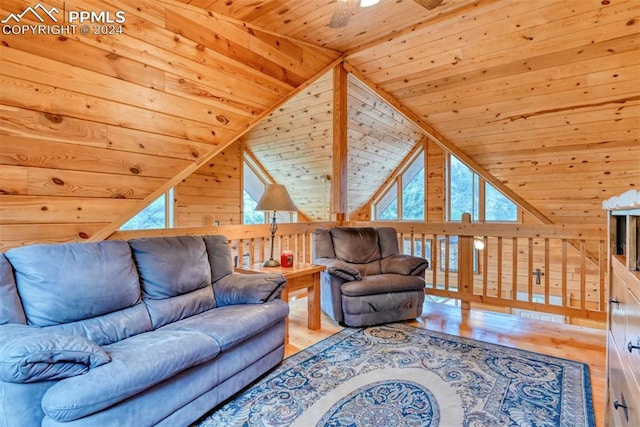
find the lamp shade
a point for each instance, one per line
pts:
(275, 198)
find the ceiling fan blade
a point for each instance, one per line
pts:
(344, 9)
(429, 4)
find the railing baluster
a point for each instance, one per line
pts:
(530, 268)
(485, 266)
(583, 275)
(412, 241)
(499, 266)
(514, 266)
(446, 262)
(547, 271)
(434, 262)
(602, 268)
(564, 273)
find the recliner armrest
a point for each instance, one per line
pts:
(339, 268)
(407, 265)
(237, 288)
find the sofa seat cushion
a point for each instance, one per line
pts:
(382, 283)
(233, 324)
(137, 363)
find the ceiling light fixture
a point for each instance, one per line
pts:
(367, 3)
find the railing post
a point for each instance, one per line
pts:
(465, 264)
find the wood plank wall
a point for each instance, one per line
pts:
(379, 140)
(542, 95)
(213, 193)
(94, 127)
(294, 144)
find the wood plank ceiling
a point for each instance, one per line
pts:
(294, 144)
(94, 127)
(542, 96)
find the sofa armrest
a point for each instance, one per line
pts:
(237, 288)
(29, 354)
(407, 265)
(339, 268)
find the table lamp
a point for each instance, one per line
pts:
(275, 199)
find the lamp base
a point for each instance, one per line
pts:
(271, 263)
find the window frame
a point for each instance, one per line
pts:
(247, 162)
(250, 162)
(482, 194)
(169, 211)
(397, 184)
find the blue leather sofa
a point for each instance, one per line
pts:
(153, 331)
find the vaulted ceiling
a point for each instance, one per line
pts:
(541, 98)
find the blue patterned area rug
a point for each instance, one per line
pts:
(399, 375)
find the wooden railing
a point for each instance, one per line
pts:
(249, 243)
(555, 269)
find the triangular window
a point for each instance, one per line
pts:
(408, 186)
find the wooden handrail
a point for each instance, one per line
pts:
(556, 269)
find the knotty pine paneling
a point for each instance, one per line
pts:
(543, 96)
(294, 145)
(379, 140)
(94, 127)
(212, 193)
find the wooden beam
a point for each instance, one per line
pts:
(115, 225)
(449, 146)
(339, 199)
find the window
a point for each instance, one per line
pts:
(387, 207)
(411, 181)
(467, 192)
(253, 189)
(413, 191)
(497, 206)
(254, 186)
(158, 214)
(463, 191)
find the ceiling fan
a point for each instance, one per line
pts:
(344, 9)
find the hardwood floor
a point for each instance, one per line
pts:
(567, 341)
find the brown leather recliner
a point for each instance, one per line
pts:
(367, 280)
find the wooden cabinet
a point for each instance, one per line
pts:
(623, 338)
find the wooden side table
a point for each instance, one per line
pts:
(300, 276)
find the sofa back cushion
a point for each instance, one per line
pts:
(358, 245)
(175, 276)
(323, 244)
(65, 283)
(10, 306)
(220, 257)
